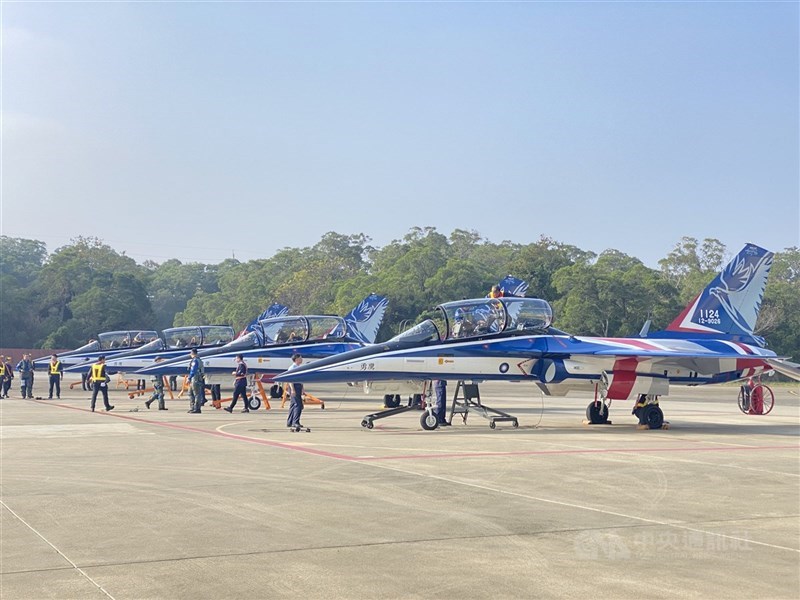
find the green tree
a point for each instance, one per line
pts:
(691, 265)
(20, 264)
(113, 302)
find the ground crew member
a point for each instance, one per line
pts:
(99, 380)
(25, 370)
(195, 383)
(296, 401)
(158, 390)
(496, 292)
(440, 386)
(8, 375)
(56, 370)
(239, 384)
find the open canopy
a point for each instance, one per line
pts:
(483, 316)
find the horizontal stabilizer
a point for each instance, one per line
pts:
(784, 367)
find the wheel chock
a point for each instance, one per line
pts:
(588, 422)
(664, 425)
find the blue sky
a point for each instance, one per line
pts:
(196, 130)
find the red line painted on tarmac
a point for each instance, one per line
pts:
(348, 458)
(586, 451)
(213, 432)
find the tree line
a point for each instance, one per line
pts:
(61, 299)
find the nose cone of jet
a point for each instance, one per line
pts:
(176, 367)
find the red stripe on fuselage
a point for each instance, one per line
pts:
(624, 378)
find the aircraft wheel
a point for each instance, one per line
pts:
(652, 416)
(492, 425)
(370, 425)
(275, 391)
(254, 403)
(364, 423)
(515, 424)
(597, 413)
(428, 421)
(744, 399)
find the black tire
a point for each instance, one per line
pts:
(492, 425)
(597, 413)
(275, 391)
(254, 403)
(515, 424)
(652, 416)
(364, 423)
(744, 399)
(428, 421)
(370, 425)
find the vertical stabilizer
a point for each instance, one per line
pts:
(365, 319)
(730, 304)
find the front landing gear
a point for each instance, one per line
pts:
(597, 413)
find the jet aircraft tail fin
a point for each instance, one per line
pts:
(365, 319)
(730, 304)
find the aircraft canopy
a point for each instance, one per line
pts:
(193, 337)
(293, 330)
(118, 340)
(471, 318)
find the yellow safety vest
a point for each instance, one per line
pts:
(98, 372)
(55, 368)
(2, 369)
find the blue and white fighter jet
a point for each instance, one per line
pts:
(512, 339)
(267, 349)
(108, 343)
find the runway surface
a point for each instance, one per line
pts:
(164, 504)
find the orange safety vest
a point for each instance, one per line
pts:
(55, 367)
(98, 372)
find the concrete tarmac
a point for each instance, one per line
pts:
(164, 504)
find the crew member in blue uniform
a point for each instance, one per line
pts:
(239, 384)
(195, 382)
(99, 380)
(25, 370)
(56, 371)
(158, 390)
(440, 387)
(296, 397)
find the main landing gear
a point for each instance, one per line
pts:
(646, 410)
(649, 412)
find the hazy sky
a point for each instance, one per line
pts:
(193, 130)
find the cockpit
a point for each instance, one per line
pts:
(122, 340)
(293, 330)
(483, 316)
(194, 337)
